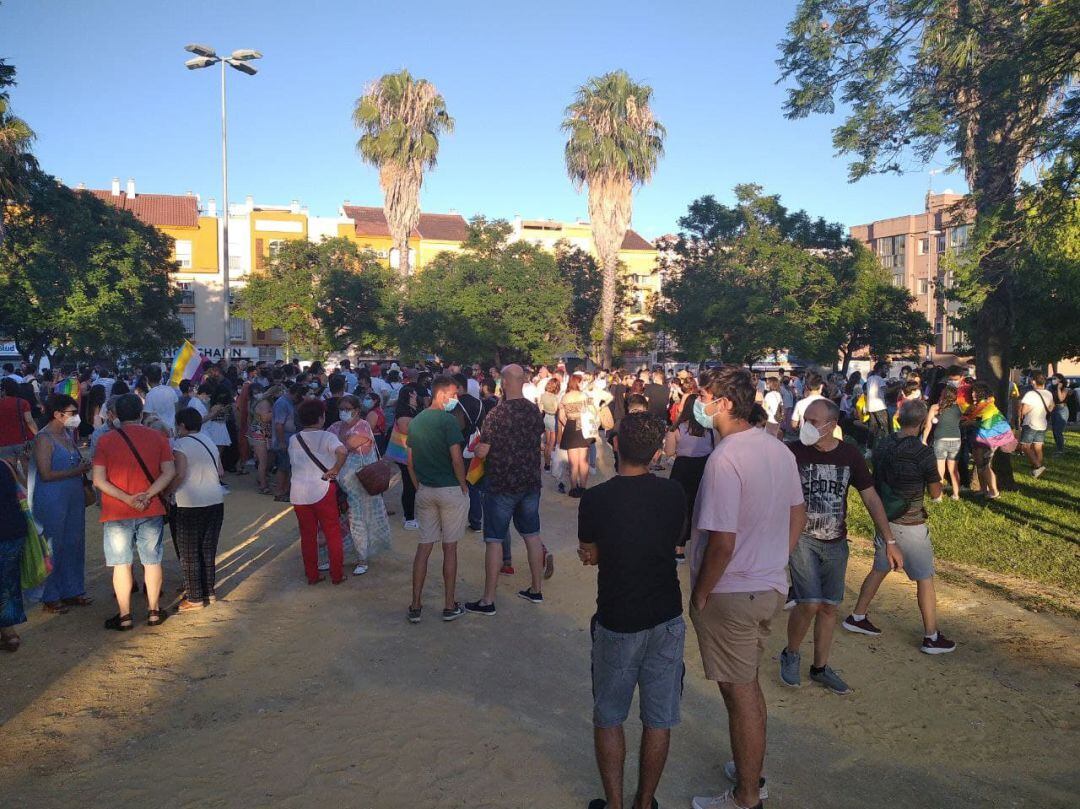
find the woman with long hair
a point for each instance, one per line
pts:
(944, 419)
(549, 405)
(992, 433)
(571, 438)
(690, 444)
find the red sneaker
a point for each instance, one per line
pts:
(863, 627)
(507, 570)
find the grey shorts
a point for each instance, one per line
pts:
(650, 661)
(817, 570)
(947, 449)
(1031, 436)
(914, 543)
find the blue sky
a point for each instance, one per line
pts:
(104, 86)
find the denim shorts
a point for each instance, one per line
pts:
(817, 570)
(549, 422)
(1030, 436)
(947, 449)
(122, 537)
(650, 661)
(523, 507)
(914, 543)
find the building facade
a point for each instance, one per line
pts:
(911, 249)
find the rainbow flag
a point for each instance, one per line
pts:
(993, 428)
(68, 387)
(187, 365)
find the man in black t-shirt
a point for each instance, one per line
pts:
(629, 527)
(470, 414)
(658, 395)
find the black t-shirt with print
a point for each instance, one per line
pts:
(907, 465)
(825, 479)
(635, 522)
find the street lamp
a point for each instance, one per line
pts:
(205, 56)
(931, 282)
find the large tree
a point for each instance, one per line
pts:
(325, 296)
(81, 278)
(495, 300)
(989, 82)
(581, 272)
(614, 145)
(16, 162)
(401, 119)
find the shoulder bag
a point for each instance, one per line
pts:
(145, 471)
(342, 498)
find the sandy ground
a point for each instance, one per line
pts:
(293, 696)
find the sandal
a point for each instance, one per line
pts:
(120, 623)
(156, 617)
(11, 644)
(265, 490)
(78, 601)
(54, 607)
(281, 498)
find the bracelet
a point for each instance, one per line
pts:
(890, 541)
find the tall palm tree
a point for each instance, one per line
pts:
(401, 119)
(614, 144)
(15, 138)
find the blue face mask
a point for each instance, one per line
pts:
(449, 405)
(700, 416)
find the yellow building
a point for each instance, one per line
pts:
(637, 256)
(435, 233)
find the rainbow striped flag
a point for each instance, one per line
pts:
(993, 427)
(187, 365)
(68, 387)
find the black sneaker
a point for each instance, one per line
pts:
(940, 646)
(453, 613)
(529, 595)
(562, 488)
(863, 627)
(476, 529)
(477, 607)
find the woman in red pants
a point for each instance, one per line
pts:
(316, 457)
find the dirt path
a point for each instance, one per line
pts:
(293, 696)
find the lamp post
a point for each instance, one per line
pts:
(205, 56)
(931, 282)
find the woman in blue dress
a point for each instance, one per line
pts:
(56, 496)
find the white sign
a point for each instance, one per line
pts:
(217, 353)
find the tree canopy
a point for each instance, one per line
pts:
(754, 277)
(991, 83)
(325, 296)
(80, 277)
(495, 300)
(16, 162)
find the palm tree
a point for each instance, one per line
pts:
(614, 144)
(401, 119)
(15, 138)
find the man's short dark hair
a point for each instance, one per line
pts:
(912, 413)
(336, 383)
(813, 381)
(640, 436)
(129, 407)
(190, 419)
(296, 390)
(1038, 378)
(442, 382)
(955, 370)
(462, 381)
(9, 368)
(153, 374)
(733, 383)
(309, 411)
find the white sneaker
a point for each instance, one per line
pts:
(359, 570)
(412, 525)
(324, 566)
(733, 776)
(725, 801)
(1038, 471)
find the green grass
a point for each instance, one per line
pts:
(1033, 533)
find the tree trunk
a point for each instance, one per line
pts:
(403, 257)
(846, 363)
(607, 307)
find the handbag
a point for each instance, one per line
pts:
(36, 562)
(376, 477)
(89, 495)
(607, 418)
(339, 493)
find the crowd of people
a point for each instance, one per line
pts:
(755, 499)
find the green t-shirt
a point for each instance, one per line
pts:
(431, 434)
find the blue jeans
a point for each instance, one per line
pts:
(499, 509)
(122, 537)
(11, 600)
(1058, 417)
(476, 505)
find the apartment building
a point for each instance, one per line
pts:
(911, 248)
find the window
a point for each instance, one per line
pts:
(898, 279)
(891, 251)
(274, 246)
(183, 253)
(188, 321)
(941, 243)
(395, 259)
(237, 328)
(923, 286)
(187, 294)
(958, 238)
(924, 247)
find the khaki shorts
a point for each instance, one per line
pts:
(443, 513)
(731, 633)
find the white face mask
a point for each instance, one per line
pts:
(808, 434)
(71, 422)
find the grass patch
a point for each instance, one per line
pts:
(1033, 533)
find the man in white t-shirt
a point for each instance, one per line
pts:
(380, 385)
(814, 384)
(161, 399)
(1035, 410)
(880, 424)
(774, 405)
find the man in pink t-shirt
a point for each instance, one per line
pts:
(747, 519)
